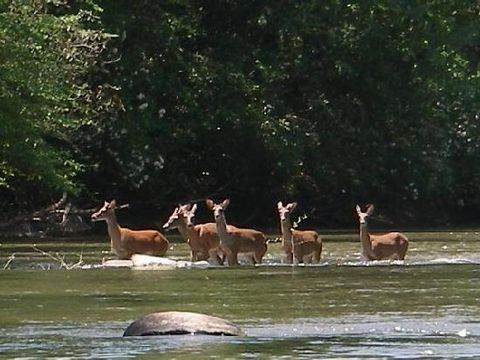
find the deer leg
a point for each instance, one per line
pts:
(235, 257)
(214, 254)
(203, 256)
(308, 259)
(193, 256)
(231, 256)
(395, 256)
(221, 258)
(258, 258)
(299, 259)
(232, 260)
(297, 253)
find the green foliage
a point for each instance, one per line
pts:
(329, 102)
(44, 96)
(326, 102)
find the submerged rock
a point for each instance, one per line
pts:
(181, 323)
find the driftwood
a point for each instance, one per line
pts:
(57, 257)
(9, 261)
(58, 219)
(60, 258)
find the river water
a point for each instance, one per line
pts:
(425, 307)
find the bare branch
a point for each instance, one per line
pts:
(61, 201)
(49, 255)
(60, 258)
(9, 261)
(65, 214)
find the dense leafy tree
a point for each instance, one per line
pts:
(328, 102)
(45, 96)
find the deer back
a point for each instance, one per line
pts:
(248, 239)
(149, 242)
(392, 245)
(305, 235)
(206, 235)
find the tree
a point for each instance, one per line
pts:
(45, 95)
(326, 102)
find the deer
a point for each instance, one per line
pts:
(126, 242)
(237, 240)
(202, 238)
(390, 246)
(305, 245)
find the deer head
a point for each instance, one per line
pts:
(285, 211)
(173, 220)
(188, 212)
(218, 209)
(105, 212)
(362, 216)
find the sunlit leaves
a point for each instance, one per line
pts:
(43, 92)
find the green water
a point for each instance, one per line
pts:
(427, 306)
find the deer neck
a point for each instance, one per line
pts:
(191, 232)
(365, 240)
(286, 231)
(183, 230)
(222, 228)
(114, 231)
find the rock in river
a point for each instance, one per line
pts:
(180, 323)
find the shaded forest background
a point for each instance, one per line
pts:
(330, 103)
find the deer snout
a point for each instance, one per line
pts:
(362, 219)
(94, 217)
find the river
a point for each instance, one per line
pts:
(425, 307)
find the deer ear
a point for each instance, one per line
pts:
(292, 206)
(194, 208)
(370, 209)
(225, 203)
(209, 203)
(113, 204)
(279, 205)
(359, 210)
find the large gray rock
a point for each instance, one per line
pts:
(180, 323)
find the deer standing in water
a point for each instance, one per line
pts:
(390, 246)
(307, 244)
(237, 240)
(125, 242)
(202, 238)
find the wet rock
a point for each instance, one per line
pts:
(181, 323)
(149, 262)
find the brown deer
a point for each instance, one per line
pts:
(202, 238)
(125, 242)
(390, 246)
(237, 240)
(307, 244)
